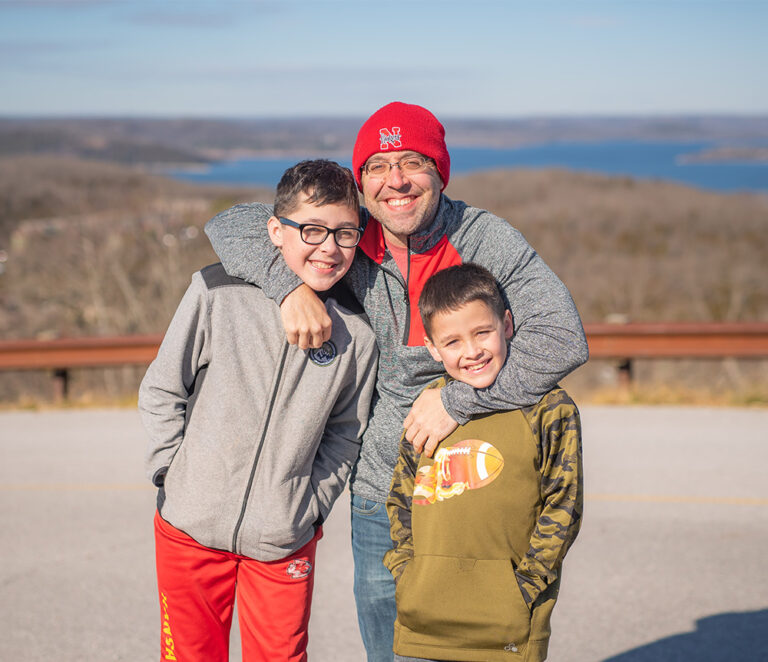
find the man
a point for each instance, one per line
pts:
(401, 164)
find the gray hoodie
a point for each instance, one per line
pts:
(252, 439)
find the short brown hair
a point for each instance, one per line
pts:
(324, 182)
(454, 287)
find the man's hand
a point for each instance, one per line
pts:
(305, 319)
(427, 424)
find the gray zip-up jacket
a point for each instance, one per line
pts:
(252, 439)
(549, 340)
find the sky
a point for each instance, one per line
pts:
(476, 58)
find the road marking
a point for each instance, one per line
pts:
(635, 498)
(74, 487)
(669, 498)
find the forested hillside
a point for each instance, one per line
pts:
(649, 251)
(189, 140)
(96, 249)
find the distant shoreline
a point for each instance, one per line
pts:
(659, 160)
(727, 154)
(722, 154)
(184, 141)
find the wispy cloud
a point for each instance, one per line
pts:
(597, 21)
(51, 57)
(317, 71)
(25, 48)
(26, 4)
(168, 19)
(204, 15)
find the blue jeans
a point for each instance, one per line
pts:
(374, 585)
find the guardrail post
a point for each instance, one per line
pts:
(625, 375)
(60, 385)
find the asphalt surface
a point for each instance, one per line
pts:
(670, 563)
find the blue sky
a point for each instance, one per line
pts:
(251, 58)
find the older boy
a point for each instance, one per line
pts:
(252, 439)
(481, 530)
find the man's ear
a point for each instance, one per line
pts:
(509, 325)
(275, 229)
(432, 349)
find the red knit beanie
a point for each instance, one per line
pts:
(402, 126)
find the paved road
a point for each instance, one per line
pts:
(670, 564)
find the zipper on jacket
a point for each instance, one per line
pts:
(407, 327)
(404, 283)
(271, 405)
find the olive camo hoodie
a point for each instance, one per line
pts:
(480, 532)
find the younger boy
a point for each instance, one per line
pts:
(480, 530)
(252, 439)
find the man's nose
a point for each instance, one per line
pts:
(395, 177)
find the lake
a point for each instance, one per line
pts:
(646, 160)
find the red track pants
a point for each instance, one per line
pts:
(197, 587)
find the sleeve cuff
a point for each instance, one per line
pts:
(158, 480)
(281, 296)
(446, 394)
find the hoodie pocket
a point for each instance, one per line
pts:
(463, 602)
(293, 510)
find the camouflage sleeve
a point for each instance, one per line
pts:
(399, 510)
(555, 424)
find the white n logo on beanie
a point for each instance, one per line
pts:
(390, 138)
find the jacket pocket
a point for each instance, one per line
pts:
(463, 603)
(291, 512)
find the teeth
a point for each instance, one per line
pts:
(476, 367)
(399, 202)
(322, 265)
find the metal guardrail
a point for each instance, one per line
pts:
(678, 340)
(623, 342)
(78, 352)
(681, 340)
(62, 355)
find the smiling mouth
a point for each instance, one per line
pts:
(400, 202)
(476, 367)
(322, 266)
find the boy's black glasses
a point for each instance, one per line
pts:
(316, 234)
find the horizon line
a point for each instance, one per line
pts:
(325, 116)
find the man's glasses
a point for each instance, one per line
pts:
(316, 234)
(409, 165)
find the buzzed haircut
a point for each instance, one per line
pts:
(454, 287)
(324, 182)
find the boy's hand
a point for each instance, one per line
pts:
(427, 424)
(305, 319)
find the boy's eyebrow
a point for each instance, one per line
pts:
(317, 221)
(449, 336)
(445, 337)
